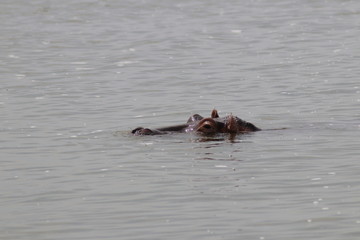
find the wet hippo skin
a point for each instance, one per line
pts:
(211, 125)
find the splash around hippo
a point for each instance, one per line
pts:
(208, 126)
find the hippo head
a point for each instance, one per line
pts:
(214, 124)
(211, 125)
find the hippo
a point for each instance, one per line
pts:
(208, 126)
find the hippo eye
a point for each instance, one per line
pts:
(207, 126)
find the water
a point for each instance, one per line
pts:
(77, 76)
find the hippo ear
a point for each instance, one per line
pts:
(214, 113)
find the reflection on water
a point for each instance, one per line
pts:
(223, 137)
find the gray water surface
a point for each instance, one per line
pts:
(77, 76)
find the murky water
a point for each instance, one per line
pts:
(77, 76)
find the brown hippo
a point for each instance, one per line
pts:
(212, 125)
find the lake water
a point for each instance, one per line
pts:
(77, 76)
